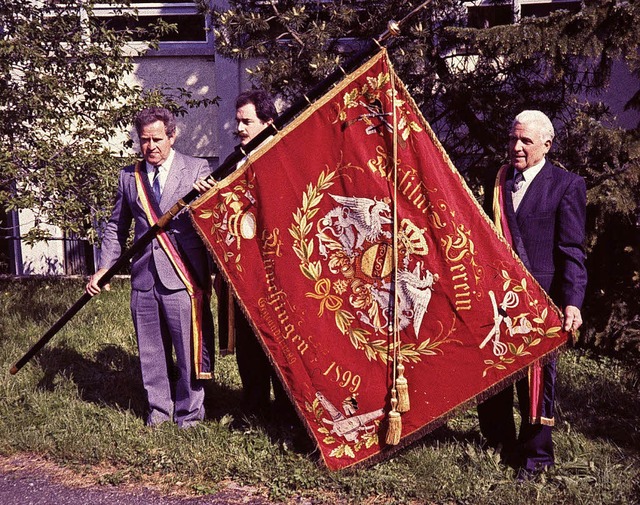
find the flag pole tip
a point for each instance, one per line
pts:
(14, 370)
(394, 28)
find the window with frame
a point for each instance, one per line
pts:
(540, 9)
(488, 13)
(322, 12)
(192, 35)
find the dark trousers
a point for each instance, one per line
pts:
(256, 373)
(532, 449)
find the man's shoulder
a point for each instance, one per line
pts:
(558, 169)
(561, 173)
(188, 160)
(130, 169)
(128, 172)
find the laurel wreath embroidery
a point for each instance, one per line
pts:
(360, 338)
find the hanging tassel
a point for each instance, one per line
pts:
(394, 430)
(402, 386)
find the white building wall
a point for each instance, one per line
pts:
(198, 131)
(41, 258)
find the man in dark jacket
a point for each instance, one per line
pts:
(255, 111)
(543, 209)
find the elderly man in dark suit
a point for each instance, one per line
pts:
(170, 277)
(543, 209)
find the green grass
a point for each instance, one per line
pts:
(79, 404)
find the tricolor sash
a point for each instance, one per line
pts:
(197, 295)
(536, 371)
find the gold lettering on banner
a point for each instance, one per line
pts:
(276, 302)
(413, 188)
(344, 378)
(272, 242)
(458, 247)
(409, 183)
(459, 270)
(380, 164)
(275, 330)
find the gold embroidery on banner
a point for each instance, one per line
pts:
(350, 434)
(409, 182)
(517, 324)
(231, 221)
(368, 99)
(276, 302)
(357, 248)
(345, 379)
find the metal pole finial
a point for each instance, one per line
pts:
(393, 27)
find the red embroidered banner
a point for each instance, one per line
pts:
(308, 232)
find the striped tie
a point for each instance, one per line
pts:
(518, 189)
(518, 179)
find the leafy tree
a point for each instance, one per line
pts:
(469, 83)
(63, 98)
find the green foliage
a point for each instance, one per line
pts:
(470, 83)
(79, 403)
(64, 98)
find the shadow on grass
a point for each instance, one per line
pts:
(445, 433)
(280, 424)
(40, 299)
(603, 409)
(221, 400)
(112, 379)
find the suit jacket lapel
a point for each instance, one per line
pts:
(514, 228)
(534, 192)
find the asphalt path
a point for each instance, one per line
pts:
(24, 481)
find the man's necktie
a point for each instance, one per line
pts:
(518, 180)
(156, 183)
(518, 190)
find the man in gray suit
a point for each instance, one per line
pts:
(170, 277)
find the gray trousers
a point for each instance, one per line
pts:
(162, 320)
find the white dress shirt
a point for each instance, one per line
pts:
(163, 170)
(528, 175)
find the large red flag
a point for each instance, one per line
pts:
(316, 231)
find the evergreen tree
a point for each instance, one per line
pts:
(470, 83)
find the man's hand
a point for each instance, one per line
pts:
(203, 184)
(572, 318)
(92, 287)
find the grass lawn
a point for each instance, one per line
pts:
(79, 404)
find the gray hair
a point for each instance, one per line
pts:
(148, 116)
(538, 119)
